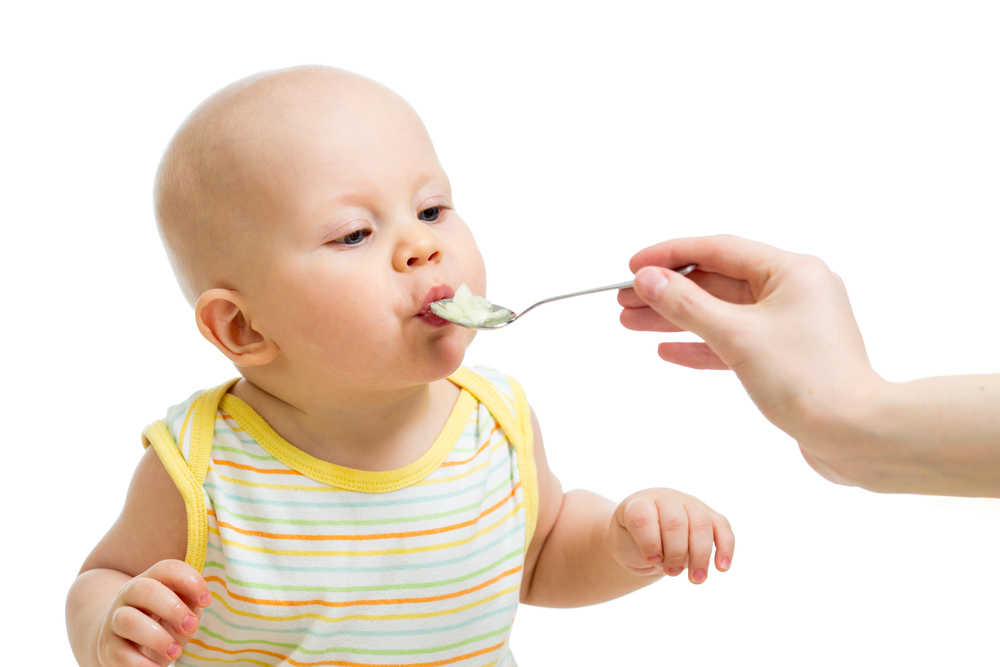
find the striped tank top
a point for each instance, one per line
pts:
(311, 563)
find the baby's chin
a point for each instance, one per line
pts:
(444, 356)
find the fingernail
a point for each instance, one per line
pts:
(189, 623)
(674, 571)
(206, 597)
(174, 650)
(699, 576)
(648, 282)
(653, 560)
(724, 564)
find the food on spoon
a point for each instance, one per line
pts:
(473, 311)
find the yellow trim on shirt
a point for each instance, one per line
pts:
(158, 435)
(189, 475)
(529, 473)
(519, 431)
(205, 412)
(366, 481)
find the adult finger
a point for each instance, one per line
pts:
(731, 256)
(725, 541)
(673, 534)
(700, 540)
(692, 355)
(686, 305)
(646, 319)
(716, 284)
(135, 626)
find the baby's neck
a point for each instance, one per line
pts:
(378, 432)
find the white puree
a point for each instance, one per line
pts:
(469, 310)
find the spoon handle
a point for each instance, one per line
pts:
(586, 291)
(684, 271)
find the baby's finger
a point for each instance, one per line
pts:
(673, 532)
(640, 519)
(182, 578)
(152, 597)
(700, 534)
(118, 652)
(725, 542)
(131, 624)
(182, 639)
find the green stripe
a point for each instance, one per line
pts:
(357, 651)
(243, 452)
(361, 522)
(361, 589)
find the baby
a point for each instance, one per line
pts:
(356, 496)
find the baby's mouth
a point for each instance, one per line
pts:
(435, 293)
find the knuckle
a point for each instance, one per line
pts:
(684, 304)
(177, 609)
(673, 524)
(124, 622)
(701, 525)
(142, 586)
(640, 519)
(174, 567)
(811, 264)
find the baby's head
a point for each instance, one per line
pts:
(309, 222)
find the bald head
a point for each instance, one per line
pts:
(220, 186)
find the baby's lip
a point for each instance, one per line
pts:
(436, 293)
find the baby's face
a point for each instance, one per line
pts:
(361, 235)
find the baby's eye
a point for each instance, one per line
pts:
(430, 214)
(354, 238)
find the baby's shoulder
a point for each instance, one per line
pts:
(480, 377)
(190, 423)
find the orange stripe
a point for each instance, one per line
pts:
(380, 536)
(496, 427)
(343, 663)
(263, 471)
(226, 415)
(360, 603)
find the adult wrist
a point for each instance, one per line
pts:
(848, 433)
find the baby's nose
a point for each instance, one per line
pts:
(417, 247)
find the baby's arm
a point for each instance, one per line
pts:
(135, 599)
(586, 549)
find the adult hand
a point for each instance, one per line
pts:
(783, 323)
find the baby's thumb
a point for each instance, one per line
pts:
(682, 302)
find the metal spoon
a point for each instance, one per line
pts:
(514, 316)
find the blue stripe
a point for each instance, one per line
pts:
(372, 503)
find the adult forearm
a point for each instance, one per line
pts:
(88, 602)
(936, 436)
(576, 567)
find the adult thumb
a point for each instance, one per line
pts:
(682, 302)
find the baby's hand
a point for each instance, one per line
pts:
(659, 531)
(153, 616)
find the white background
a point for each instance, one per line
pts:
(574, 135)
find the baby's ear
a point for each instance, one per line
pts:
(222, 320)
